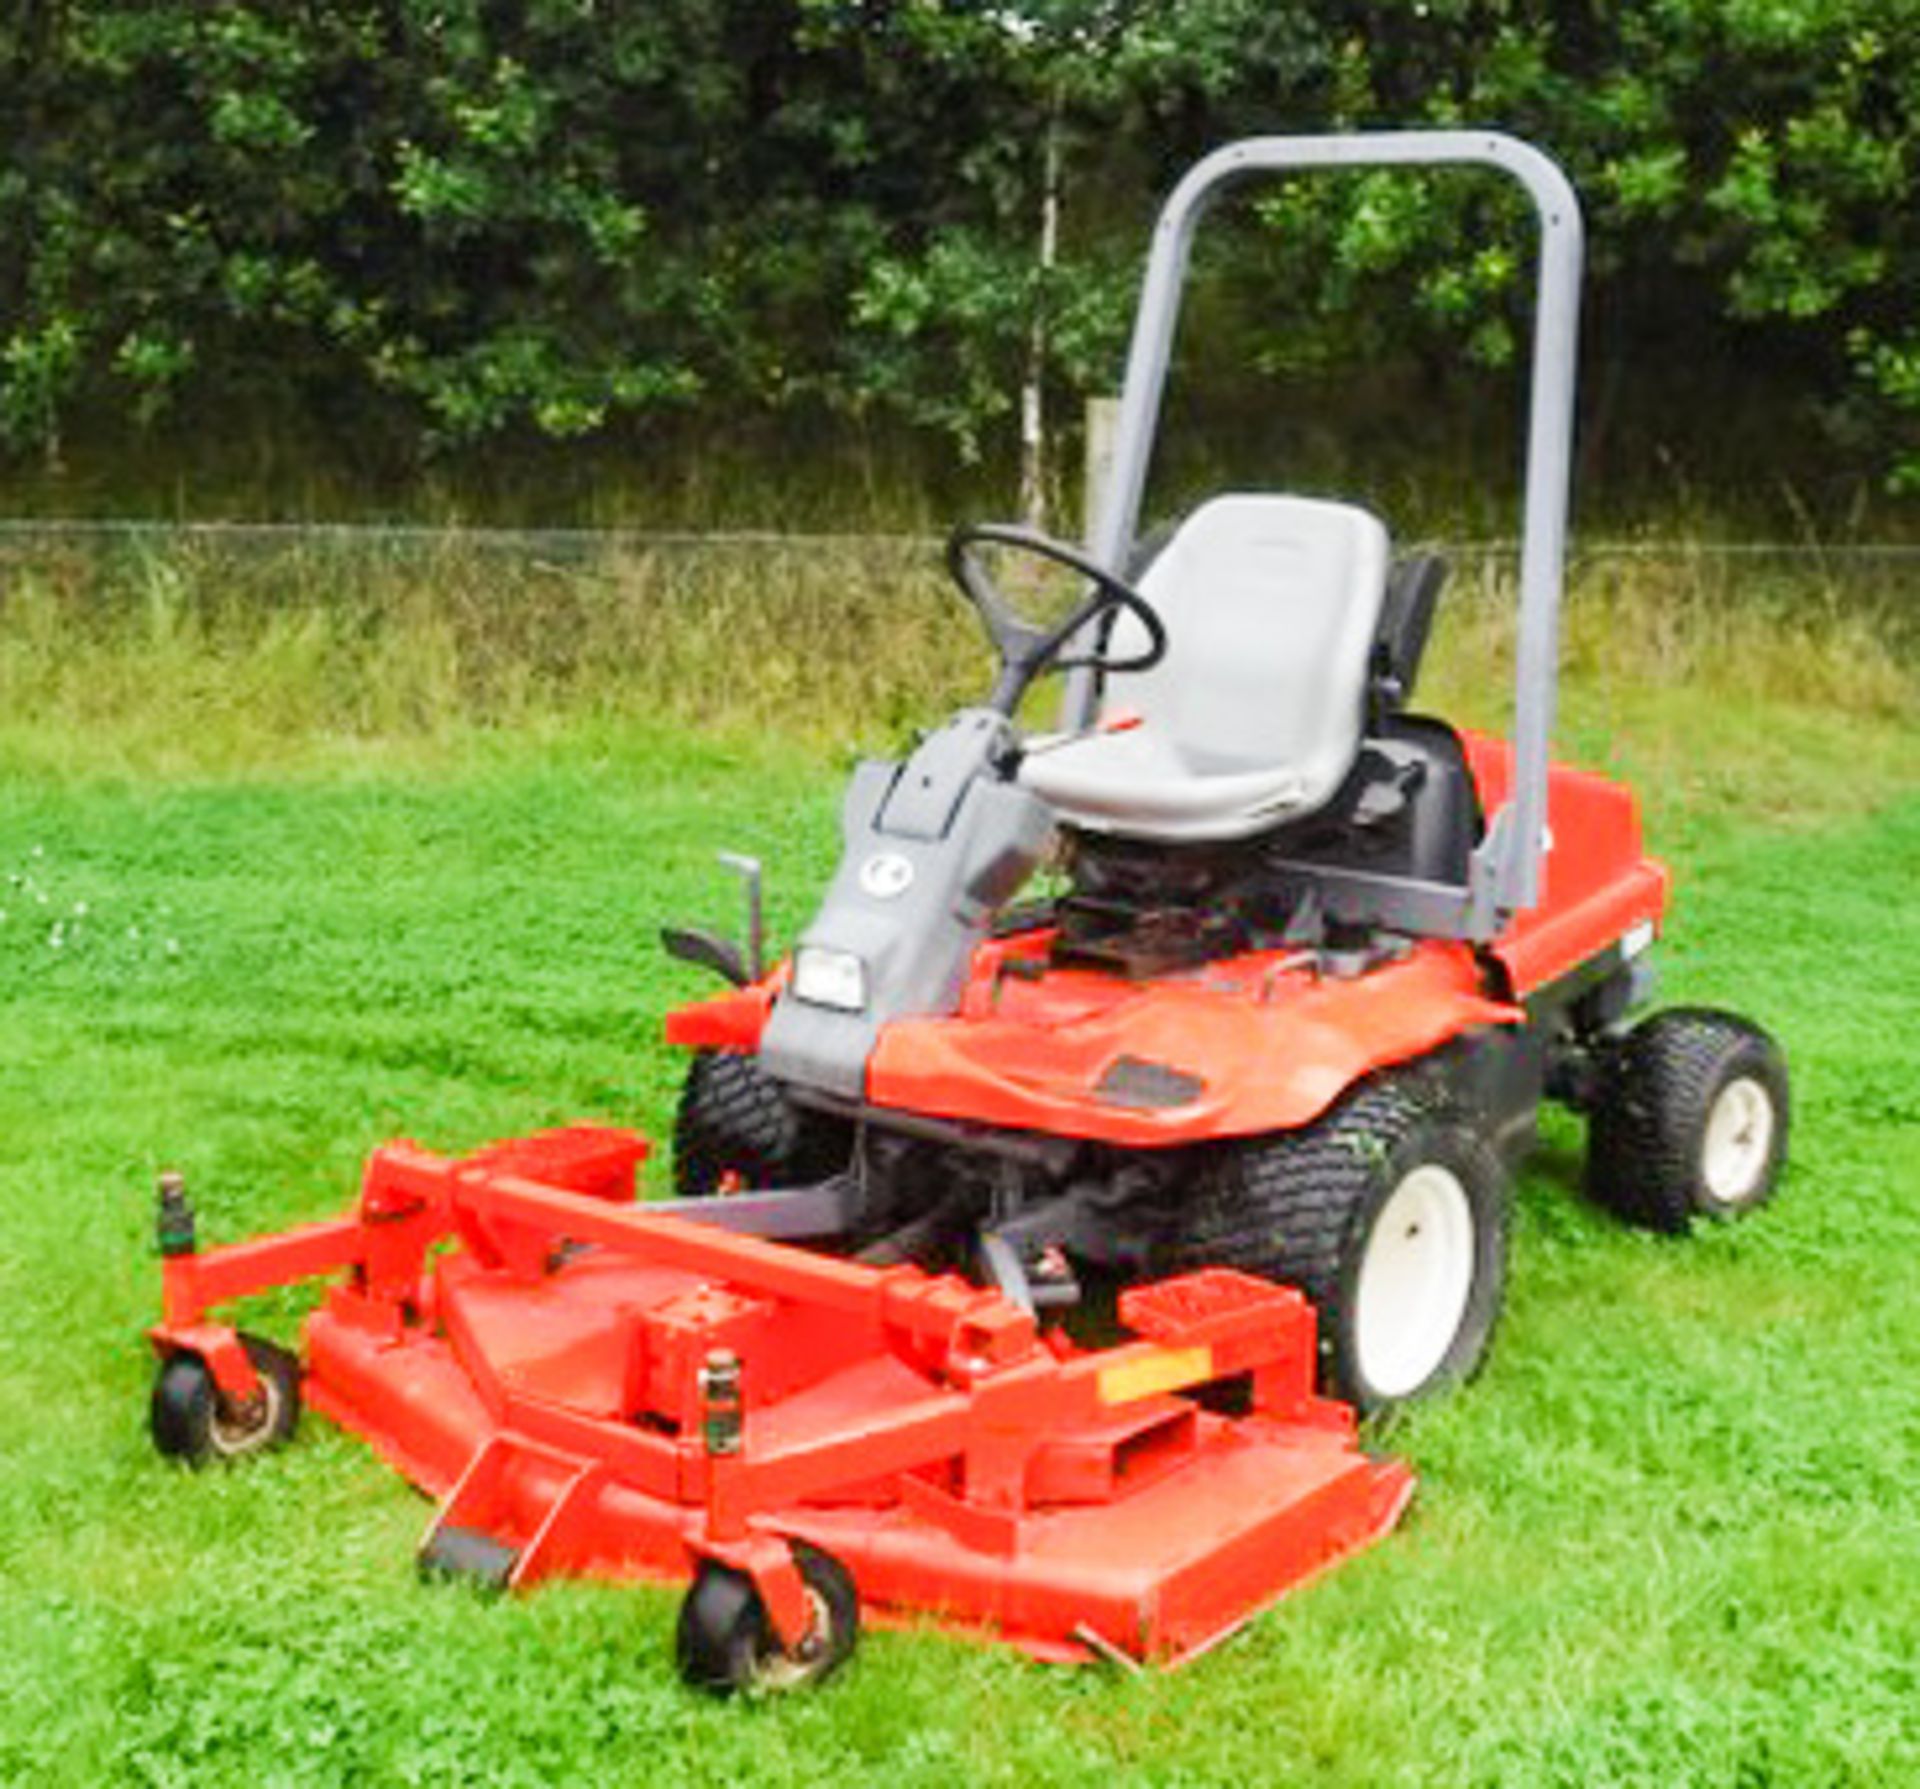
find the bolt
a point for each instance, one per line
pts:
(721, 1418)
(173, 1227)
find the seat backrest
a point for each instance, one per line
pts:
(1271, 605)
(1406, 624)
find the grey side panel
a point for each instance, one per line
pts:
(1508, 862)
(927, 794)
(914, 926)
(1397, 903)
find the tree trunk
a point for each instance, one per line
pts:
(1034, 456)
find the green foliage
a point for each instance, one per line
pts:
(451, 222)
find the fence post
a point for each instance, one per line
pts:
(1103, 421)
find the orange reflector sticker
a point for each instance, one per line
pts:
(1167, 1370)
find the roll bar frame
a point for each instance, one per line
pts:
(1505, 873)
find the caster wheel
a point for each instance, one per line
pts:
(189, 1420)
(726, 1643)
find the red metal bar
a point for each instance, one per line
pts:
(220, 1347)
(193, 1284)
(768, 1560)
(655, 1464)
(775, 1268)
(567, 1521)
(884, 1443)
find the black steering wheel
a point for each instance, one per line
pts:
(1026, 649)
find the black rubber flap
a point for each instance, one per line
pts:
(469, 1554)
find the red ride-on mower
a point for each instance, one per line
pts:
(1265, 1057)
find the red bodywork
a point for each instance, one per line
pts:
(542, 1376)
(1265, 1041)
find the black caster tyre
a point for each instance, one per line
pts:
(725, 1643)
(736, 1128)
(1390, 1214)
(1690, 1120)
(189, 1423)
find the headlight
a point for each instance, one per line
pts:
(835, 978)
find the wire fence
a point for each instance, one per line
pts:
(1877, 574)
(427, 536)
(396, 620)
(436, 536)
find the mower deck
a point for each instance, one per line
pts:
(589, 1387)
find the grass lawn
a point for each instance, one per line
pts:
(1672, 1535)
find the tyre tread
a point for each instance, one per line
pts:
(1287, 1206)
(1657, 1084)
(734, 1119)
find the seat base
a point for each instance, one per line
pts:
(1143, 906)
(1253, 712)
(1138, 782)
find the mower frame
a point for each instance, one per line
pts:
(588, 1384)
(591, 1386)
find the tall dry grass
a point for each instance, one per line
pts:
(199, 656)
(196, 656)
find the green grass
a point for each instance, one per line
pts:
(1670, 1536)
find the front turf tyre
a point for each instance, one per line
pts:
(737, 1129)
(724, 1641)
(1390, 1213)
(189, 1419)
(1690, 1120)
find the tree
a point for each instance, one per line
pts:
(441, 222)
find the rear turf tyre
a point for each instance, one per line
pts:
(1390, 1214)
(736, 1128)
(188, 1419)
(1690, 1121)
(725, 1643)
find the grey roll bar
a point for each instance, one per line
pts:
(1506, 865)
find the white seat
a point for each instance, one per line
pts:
(1255, 713)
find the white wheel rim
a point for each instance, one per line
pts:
(779, 1669)
(230, 1439)
(1415, 1278)
(1738, 1143)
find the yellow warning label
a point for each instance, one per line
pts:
(1167, 1370)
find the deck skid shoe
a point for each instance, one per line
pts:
(589, 1386)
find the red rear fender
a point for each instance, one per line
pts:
(1597, 883)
